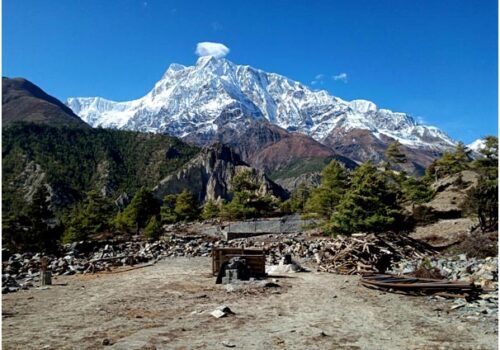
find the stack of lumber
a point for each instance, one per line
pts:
(369, 253)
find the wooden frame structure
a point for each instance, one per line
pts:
(255, 259)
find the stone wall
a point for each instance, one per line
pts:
(241, 229)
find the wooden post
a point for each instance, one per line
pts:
(45, 276)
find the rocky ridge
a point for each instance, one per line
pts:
(218, 100)
(209, 176)
(23, 101)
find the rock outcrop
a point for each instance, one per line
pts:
(451, 192)
(209, 175)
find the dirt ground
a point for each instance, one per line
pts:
(168, 305)
(443, 232)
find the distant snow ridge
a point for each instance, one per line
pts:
(477, 145)
(216, 92)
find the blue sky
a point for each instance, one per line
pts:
(435, 59)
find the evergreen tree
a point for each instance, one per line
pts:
(153, 228)
(136, 215)
(186, 207)
(487, 164)
(394, 155)
(450, 163)
(482, 202)
(34, 228)
(246, 202)
(416, 191)
(490, 150)
(297, 200)
(210, 210)
(326, 197)
(370, 205)
(90, 217)
(167, 210)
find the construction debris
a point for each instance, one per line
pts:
(222, 311)
(352, 255)
(416, 286)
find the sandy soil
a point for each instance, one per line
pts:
(168, 305)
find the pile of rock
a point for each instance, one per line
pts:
(21, 271)
(343, 255)
(482, 272)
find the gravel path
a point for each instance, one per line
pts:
(168, 305)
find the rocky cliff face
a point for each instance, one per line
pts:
(209, 176)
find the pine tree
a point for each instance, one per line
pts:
(370, 205)
(297, 200)
(186, 207)
(136, 215)
(167, 210)
(487, 164)
(394, 154)
(326, 197)
(482, 202)
(210, 210)
(87, 218)
(34, 228)
(416, 191)
(450, 163)
(246, 202)
(153, 228)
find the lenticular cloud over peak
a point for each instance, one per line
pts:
(206, 48)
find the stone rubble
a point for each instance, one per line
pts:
(22, 271)
(482, 272)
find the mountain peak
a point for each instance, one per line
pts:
(216, 93)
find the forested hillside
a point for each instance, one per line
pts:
(73, 161)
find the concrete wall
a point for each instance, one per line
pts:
(285, 224)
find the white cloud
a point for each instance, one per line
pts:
(211, 49)
(342, 77)
(318, 79)
(420, 120)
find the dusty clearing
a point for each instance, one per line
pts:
(168, 305)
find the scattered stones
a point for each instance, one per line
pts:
(222, 311)
(482, 272)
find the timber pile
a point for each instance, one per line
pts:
(355, 254)
(370, 253)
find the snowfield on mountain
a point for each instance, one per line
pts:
(216, 93)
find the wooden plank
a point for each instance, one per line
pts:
(255, 259)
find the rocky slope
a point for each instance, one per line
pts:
(209, 176)
(23, 101)
(216, 98)
(72, 161)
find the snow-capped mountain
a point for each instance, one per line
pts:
(477, 145)
(199, 101)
